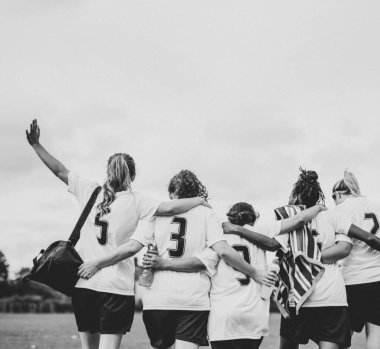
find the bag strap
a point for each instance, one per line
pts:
(75, 235)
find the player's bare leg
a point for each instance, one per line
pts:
(89, 340)
(110, 341)
(287, 344)
(185, 345)
(373, 336)
(328, 345)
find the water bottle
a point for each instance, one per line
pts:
(147, 275)
(266, 291)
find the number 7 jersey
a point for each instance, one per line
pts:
(363, 264)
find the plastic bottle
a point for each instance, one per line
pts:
(147, 275)
(266, 291)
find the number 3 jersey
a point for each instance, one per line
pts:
(237, 309)
(102, 235)
(363, 263)
(182, 236)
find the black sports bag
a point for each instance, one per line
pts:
(57, 266)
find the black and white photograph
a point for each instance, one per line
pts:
(189, 174)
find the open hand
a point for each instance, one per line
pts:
(88, 269)
(264, 277)
(152, 260)
(205, 203)
(33, 136)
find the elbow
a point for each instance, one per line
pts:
(273, 246)
(346, 251)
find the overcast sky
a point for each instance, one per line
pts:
(240, 92)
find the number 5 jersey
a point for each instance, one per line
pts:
(101, 235)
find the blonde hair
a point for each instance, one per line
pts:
(348, 184)
(121, 171)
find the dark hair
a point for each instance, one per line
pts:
(308, 189)
(121, 172)
(242, 213)
(185, 184)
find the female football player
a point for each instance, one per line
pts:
(323, 317)
(176, 306)
(104, 305)
(361, 269)
(238, 316)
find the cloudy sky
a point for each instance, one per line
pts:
(240, 92)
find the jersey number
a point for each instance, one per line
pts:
(103, 230)
(376, 226)
(244, 251)
(179, 236)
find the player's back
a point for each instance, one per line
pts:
(363, 263)
(329, 227)
(237, 310)
(182, 236)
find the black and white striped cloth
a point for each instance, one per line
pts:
(300, 264)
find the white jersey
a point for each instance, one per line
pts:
(102, 235)
(329, 227)
(182, 236)
(363, 264)
(237, 310)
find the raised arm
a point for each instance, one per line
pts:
(33, 137)
(260, 240)
(187, 265)
(129, 249)
(336, 252)
(173, 207)
(233, 258)
(362, 235)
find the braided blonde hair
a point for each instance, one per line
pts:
(121, 171)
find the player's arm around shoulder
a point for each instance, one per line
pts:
(178, 206)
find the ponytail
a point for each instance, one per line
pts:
(120, 174)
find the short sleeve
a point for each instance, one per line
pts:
(343, 237)
(283, 240)
(80, 187)
(341, 222)
(210, 259)
(144, 232)
(268, 228)
(214, 231)
(146, 206)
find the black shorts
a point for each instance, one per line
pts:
(328, 324)
(237, 344)
(107, 313)
(165, 326)
(363, 304)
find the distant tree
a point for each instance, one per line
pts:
(4, 266)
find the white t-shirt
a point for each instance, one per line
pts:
(182, 236)
(363, 264)
(101, 236)
(330, 226)
(237, 310)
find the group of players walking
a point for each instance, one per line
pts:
(209, 276)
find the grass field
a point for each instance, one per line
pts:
(58, 331)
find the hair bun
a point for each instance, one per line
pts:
(308, 175)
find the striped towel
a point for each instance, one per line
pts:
(300, 264)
